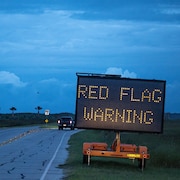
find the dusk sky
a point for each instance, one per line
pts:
(44, 43)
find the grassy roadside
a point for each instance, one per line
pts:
(163, 148)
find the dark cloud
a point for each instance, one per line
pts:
(141, 10)
(43, 43)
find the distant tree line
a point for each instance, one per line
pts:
(21, 119)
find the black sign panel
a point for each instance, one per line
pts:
(123, 104)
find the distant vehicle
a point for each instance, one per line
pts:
(65, 122)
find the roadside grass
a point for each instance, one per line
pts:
(164, 162)
(49, 126)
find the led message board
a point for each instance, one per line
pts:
(123, 104)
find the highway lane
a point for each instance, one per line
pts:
(10, 134)
(32, 153)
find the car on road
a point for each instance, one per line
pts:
(66, 122)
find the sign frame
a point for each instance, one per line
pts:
(143, 110)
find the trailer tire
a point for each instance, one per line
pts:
(85, 159)
(140, 163)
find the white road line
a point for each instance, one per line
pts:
(50, 162)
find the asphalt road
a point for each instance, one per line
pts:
(32, 153)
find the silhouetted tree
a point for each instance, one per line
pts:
(38, 108)
(13, 109)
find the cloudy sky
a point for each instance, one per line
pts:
(43, 43)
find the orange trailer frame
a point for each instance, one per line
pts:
(117, 150)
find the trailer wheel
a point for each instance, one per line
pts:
(141, 164)
(85, 159)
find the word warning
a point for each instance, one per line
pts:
(123, 104)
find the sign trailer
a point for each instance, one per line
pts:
(110, 102)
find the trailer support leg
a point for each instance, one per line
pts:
(89, 157)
